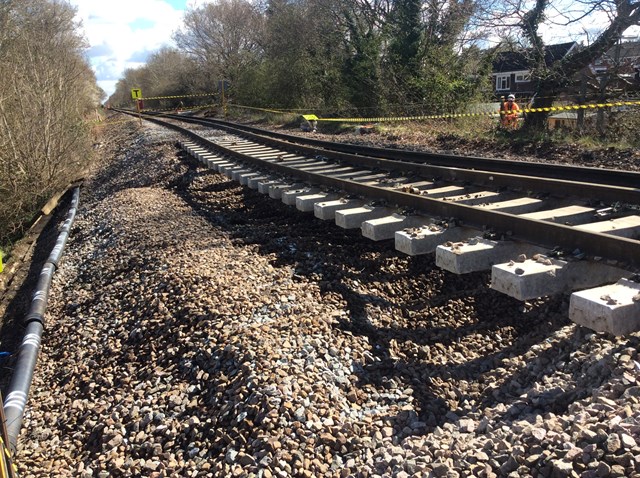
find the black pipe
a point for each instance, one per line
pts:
(41, 294)
(18, 390)
(56, 253)
(16, 401)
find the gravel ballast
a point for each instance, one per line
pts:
(199, 329)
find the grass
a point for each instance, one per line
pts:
(621, 129)
(479, 134)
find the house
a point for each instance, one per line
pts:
(621, 60)
(614, 74)
(511, 73)
(620, 65)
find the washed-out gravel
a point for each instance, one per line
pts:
(199, 329)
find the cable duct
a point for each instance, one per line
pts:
(18, 390)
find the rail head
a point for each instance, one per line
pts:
(545, 233)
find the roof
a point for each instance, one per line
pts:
(557, 52)
(510, 61)
(628, 50)
(518, 60)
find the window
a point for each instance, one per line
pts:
(523, 76)
(503, 82)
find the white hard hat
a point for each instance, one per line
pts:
(511, 97)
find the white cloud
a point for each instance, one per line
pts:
(121, 33)
(566, 23)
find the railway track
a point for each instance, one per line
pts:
(542, 229)
(185, 336)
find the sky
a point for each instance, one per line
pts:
(123, 33)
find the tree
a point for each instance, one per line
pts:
(424, 57)
(169, 72)
(44, 140)
(405, 51)
(302, 54)
(288, 64)
(551, 78)
(342, 55)
(132, 78)
(223, 37)
(364, 22)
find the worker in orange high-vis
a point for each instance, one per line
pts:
(509, 113)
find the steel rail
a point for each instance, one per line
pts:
(614, 177)
(481, 177)
(544, 233)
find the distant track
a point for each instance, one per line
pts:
(482, 193)
(544, 170)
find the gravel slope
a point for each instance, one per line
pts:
(197, 328)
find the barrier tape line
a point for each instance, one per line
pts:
(290, 112)
(177, 96)
(550, 109)
(455, 115)
(492, 114)
(185, 108)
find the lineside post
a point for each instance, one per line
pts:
(139, 109)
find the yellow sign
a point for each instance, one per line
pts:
(136, 93)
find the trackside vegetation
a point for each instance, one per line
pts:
(47, 89)
(380, 58)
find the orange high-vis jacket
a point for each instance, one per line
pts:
(510, 109)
